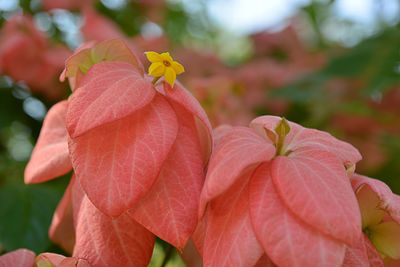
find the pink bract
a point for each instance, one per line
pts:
(104, 241)
(45, 259)
(380, 210)
(296, 206)
(18, 258)
(138, 153)
(26, 258)
(62, 230)
(50, 157)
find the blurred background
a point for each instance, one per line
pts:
(331, 65)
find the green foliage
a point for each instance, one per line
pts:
(391, 145)
(129, 18)
(25, 215)
(160, 253)
(375, 61)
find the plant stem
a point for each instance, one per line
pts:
(168, 253)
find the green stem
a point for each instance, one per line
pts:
(279, 146)
(168, 254)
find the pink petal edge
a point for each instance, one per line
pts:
(50, 157)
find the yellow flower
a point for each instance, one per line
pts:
(163, 64)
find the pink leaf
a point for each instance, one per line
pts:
(18, 258)
(369, 202)
(74, 73)
(313, 184)
(50, 157)
(89, 54)
(285, 239)
(190, 255)
(300, 137)
(374, 257)
(229, 239)
(49, 258)
(45, 259)
(387, 200)
(220, 132)
(118, 162)
(103, 241)
(200, 233)
(73, 262)
(183, 97)
(240, 149)
(170, 208)
(356, 256)
(62, 231)
(108, 92)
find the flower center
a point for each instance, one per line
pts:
(166, 63)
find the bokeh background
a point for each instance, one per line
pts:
(331, 65)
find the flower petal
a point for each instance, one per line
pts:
(183, 97)
(374, 257)
(104, 241)
(170, 76)
(174, 197)
(200, 233)
(124, 157)
(153, 56)
(116, 50)
(62, 231)
(237, 151)
(229, 239)
(356, 256)
(18, 258)
(220, 132)
(386, 238)
(52, 259)
(287, 240)
(89, 54)
(157, 69)
(50, 157)
(313, 184)
(108, 92)
(387, 200)
(178, 68)
(369, 202)
(166, 56)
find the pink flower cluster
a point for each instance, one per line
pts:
(278, 193)
(138, 152)
(27, 55)
(145, 164)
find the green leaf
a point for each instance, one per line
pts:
(25, 215)
(308, 89)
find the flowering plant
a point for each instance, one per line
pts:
(143, 177)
